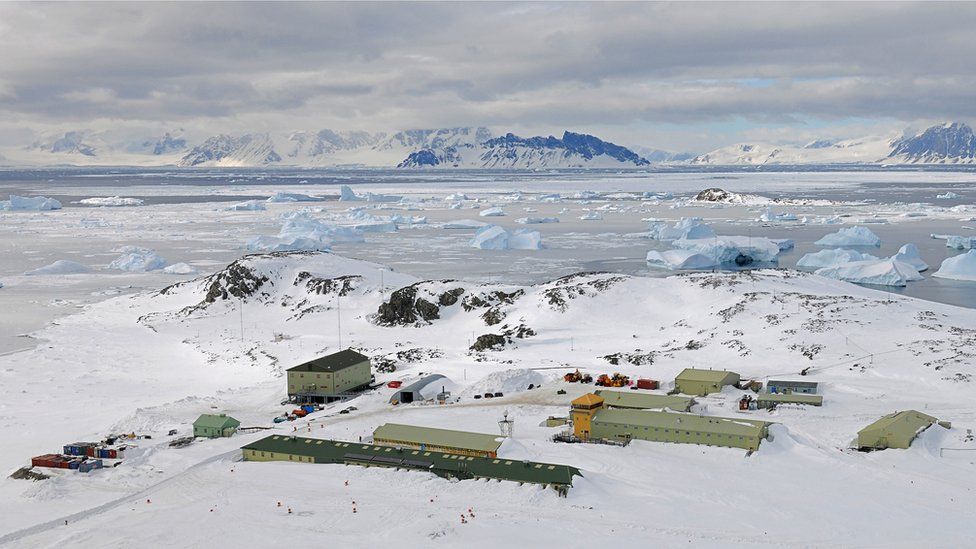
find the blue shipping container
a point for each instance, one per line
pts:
(308, 409)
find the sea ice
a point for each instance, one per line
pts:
(832, 257)
(536, 220)
(249, 206)
(35, 203)
(784, 243)
(293, 197)
(739, 250)
(60, 267)
(493, 237)
(679, 259)
(850, 236)
(464, 224)
(138, 260)
(769, 216)
(685, 228)
(111, 201)
(300, 231)
(454, 197)
(591, 216)
(960, 242)
(180, 269)
(909, 254)
(949, 195)
(408, 220)
(960, 267)
(492, 212)
(881, 272)
(373, 197)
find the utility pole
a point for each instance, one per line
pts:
(242, 320)
(339, 319)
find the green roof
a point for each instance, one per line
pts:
(912, 419)
(795, 398)
(331, 363)
(691, 422)
(412, 434)
(714, 376)
(215, 421)
(647, 401)
(439, 463)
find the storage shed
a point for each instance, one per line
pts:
(625, 425)
(329, 378)
(896, 430)
(768, 400)
(446, 465)
(441, 440)
(693, 381)
(424, 388)
(644, 401)
(215, 425)
(792, 387)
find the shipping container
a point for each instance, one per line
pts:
(647, 384)
(73, 464)
(394, 384)
(308, 408)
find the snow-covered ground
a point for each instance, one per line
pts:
(110, 352)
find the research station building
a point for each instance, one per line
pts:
(462, 443)
(693, 381)
(792, 387)
(215, 425)
(896, 430)
(329, 378)
(635, 400)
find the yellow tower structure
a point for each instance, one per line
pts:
(583, 410)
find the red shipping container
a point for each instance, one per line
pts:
(90, 451)
(647, 384)
(394, 384)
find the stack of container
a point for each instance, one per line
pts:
(89, 465)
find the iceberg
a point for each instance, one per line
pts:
(949, 195)
(180, 269)
(679, 259)
(408, 220)
(960, 242)
(909, 254)
(111, 201)
(249, 206)
(138, 260)
(960, 267)
(738, 250)
(372, 197)
(346, 194)
(851, 236)
(59, 267)
(464, 224)
(293, 197)
(784, 243)
(591, 216)
(492, 212)
(881, 272)
(768, 216)
(454, 197)
(493, 237)
(830, 258)
(685, 228)
(265, 243)
(36, 204)
(536, 220)
(300, 231)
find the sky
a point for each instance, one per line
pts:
(675, 76)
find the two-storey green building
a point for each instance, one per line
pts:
(329, 378)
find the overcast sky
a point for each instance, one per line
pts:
(689, 76)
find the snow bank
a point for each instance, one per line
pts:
(960, 267)
(536, 220)
(36, 204)
(739, 250)
(464, 224)
(851, 236)
(249, 206)
(493, 237)
(111, 201)
(293, 197)
(180, 269)
(909, 254)
(882, 272)
(59, 267)
(679, 259)
(492, 212)
(507, 382)
(138, 260)
(685, 228)
(830, 258)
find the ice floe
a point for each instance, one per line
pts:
(300, 231)
(960, 267)
(34, 203)
(293, 197)
(492, 212)
(832, 257)
(180, 269)
(464, 224)
(881, 272)
(111, 201)
(949, 195)
(60, 267)
(768, 216)
(591, 216)
(493, 237)
(249, 206)
(850, 236)
(536, 220)
(685, 228)
(679, 259)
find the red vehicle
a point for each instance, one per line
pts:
(299, 412)
(394, 384)
(647, 383)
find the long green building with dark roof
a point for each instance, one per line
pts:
(446, 465)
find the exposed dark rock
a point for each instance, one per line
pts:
(404, 308)
(488, 342)
(450, 297)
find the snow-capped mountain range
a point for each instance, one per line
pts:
(471, 147)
